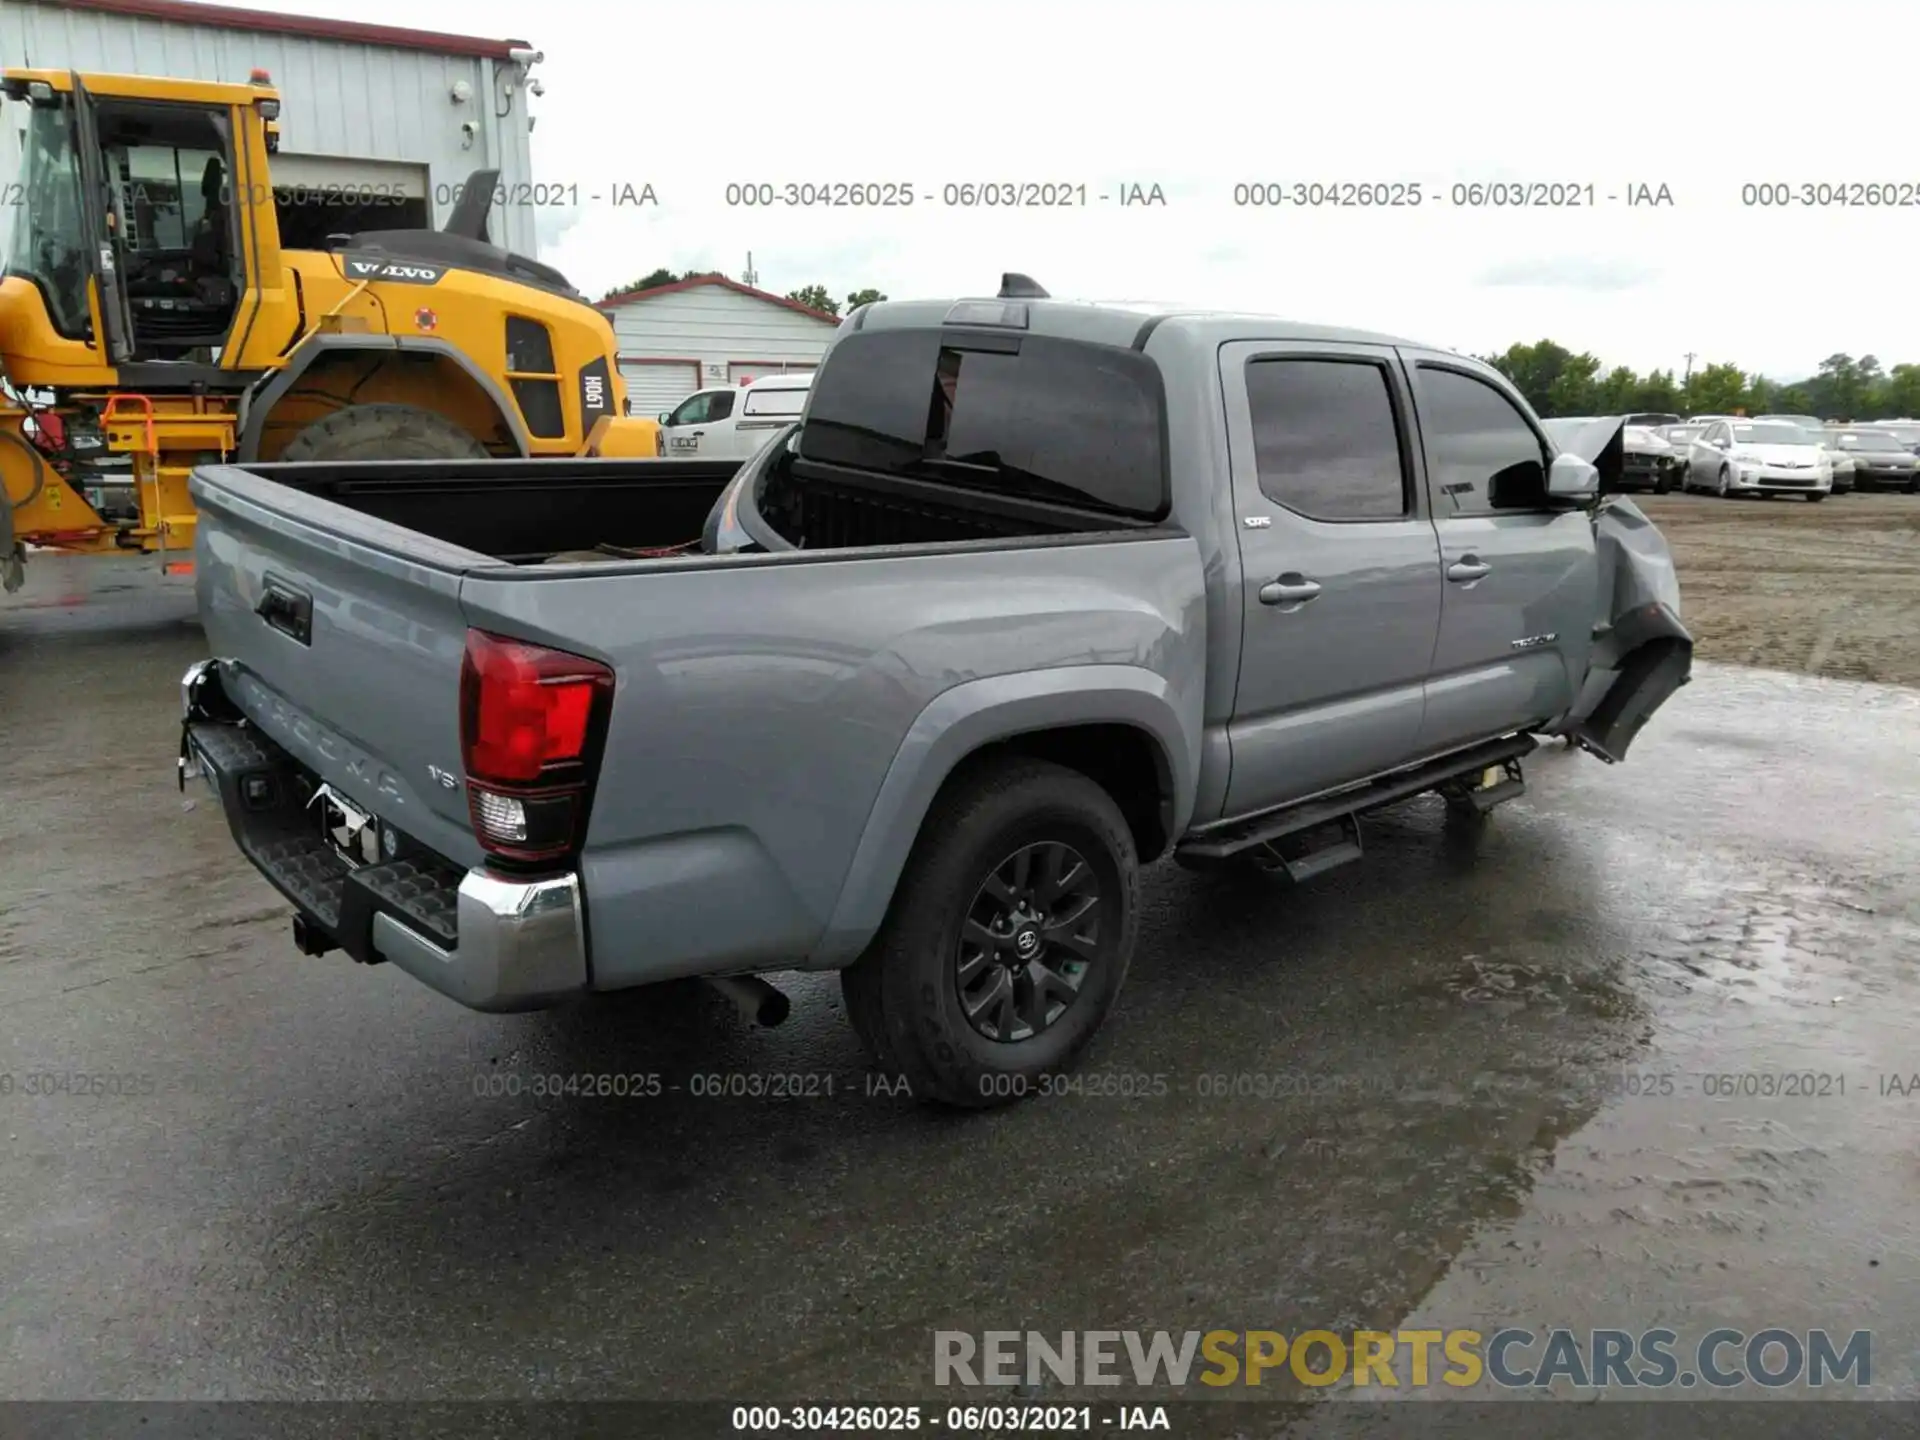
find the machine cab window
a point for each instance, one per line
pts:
(49, 243)
(146, 182)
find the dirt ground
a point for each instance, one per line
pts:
(1830, 589)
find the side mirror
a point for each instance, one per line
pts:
(1572, 481)
(666, 417)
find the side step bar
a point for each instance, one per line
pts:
(1316, 835)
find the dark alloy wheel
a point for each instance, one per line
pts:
(1009, 936)
(1026, 941)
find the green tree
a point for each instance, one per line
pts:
(1793, 400)
(1534, 369)
(1902, 395)
(1576, 389)
(815, 297)
(1837, 389)
(1658, 393)
(1716, 390)
(646, 282)
(1618, 391)
(863, 297)
(1763, 397)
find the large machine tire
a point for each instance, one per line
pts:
(383, 432)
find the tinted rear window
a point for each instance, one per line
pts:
(1061, 421)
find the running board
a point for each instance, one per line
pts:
(1343, 808)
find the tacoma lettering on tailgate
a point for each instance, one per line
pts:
(299, 732)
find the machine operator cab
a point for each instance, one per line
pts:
(135, 192)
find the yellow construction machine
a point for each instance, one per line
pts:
(150, 320)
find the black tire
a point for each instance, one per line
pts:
(1816, 497)
(1913, 487)
(904, 993)
(384, 432)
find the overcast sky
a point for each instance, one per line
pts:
(1195, 97)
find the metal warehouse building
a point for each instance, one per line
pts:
(411, 111)
(710, 331)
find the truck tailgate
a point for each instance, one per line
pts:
(344, 638)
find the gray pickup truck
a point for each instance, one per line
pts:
(1032, 594)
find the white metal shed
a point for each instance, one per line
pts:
(359, 103)
(706, 332)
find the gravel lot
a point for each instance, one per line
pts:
(1827, 589)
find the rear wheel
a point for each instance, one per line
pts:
(384, 432)
(1720, 482)
(1008, 939)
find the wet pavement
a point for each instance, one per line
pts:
(1620, 1061)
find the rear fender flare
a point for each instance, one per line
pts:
(259, 403)
(965, 719)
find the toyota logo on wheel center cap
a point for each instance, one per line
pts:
(1027, 943)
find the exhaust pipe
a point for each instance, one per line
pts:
(752, 997)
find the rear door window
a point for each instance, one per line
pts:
(1325, 439)
(1053, 420)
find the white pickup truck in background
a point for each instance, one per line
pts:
(733, 422)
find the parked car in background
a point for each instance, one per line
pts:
(1656, 419)
(1749, 457)
(733, 422)
(1841, 462)
(1651, 462)
(1908, 432)
(1845, 468)
(1648, 462)
(1681, 437)
(1881, 459)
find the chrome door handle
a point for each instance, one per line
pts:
(1468, 567)
(1288, 590)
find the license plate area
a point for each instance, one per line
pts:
(353, 833)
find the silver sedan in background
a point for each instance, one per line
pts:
(1749, 457)
(1681, 438)
(1840, 460)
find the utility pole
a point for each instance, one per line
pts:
(751, 277)
(1691, 357)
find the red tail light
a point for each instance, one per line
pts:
(531, 724)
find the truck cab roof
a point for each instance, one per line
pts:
(1124, 323)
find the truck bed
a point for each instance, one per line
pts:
(522, 511)
(530, 512)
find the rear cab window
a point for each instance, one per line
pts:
(1027, 417)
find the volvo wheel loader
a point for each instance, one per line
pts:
(150, 320)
